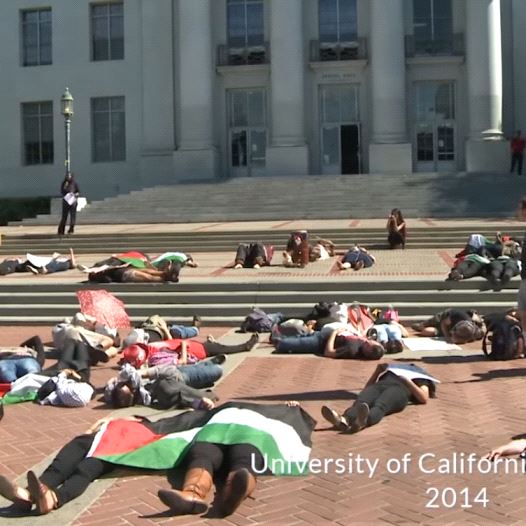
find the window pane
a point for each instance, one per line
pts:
(37, 128)
(256, 108)
(118, 136)
(328, 20)
(117, 37)
(348, 106)
(255, 24)
(116, 9)
(348, 21)
(331, 139)
(446, 143)
(100, 39)
(239, 109)
(101, 142)
(258, 147)
(99, 10)
(36, 37)
(30, 17)
(236, 24)
(331, 104)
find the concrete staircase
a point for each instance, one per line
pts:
(195, 242)
(227, 303)
(323, 197)
(228, 299)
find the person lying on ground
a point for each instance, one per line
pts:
(38, 264)
(236, 448)
(180, 258)
(127, 274)
(165, 386)
(389, 335)
(299, 251)
(338, 343)
(455, 325)
(15, 362)
(182, 352)
(253, 255)
(389, 390)
(356, 257)
(102, 346)
(156, 329)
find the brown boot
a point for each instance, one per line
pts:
(190, 500)
(238, 486)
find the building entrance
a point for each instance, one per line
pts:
(434, 126)
(340, 129)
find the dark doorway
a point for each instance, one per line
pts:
(350, 148)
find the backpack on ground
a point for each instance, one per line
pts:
(507, 341)
(257, 321)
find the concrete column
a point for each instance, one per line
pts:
(157, 116)
(389, 150)
(287, 153)
(485, 149)
(196, 156)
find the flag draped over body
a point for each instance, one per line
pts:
(281, 434)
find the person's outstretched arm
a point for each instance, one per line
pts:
(515, 447)
(380, 368)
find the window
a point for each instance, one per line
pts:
(108, 129)
(107, 31)
(337, 20)
(339, 103)
(433, 27)
(36, 37)
(37, 124)
(245, 23)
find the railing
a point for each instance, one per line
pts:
(230, 56)
(332, 51)
(453, 46)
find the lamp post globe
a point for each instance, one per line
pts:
(66, 104)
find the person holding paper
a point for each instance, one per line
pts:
(389, 390)
(70, 192)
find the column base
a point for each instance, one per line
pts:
(287, 160)
(487, 156)
(390, 158)
(195, 165)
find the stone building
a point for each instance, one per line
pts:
(177, 90)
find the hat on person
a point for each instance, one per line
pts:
(134, 355)
(135, 336)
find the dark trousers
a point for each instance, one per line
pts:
(503, 270)
(215, 348)
(75, 355)
(469, 268)
(516, 159)
(70, 210)
(383, 398)
(71, 472)
(213, 457)
(249, 255)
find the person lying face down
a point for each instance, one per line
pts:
(389, 390)
(127, 274)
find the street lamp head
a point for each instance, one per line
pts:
(66, 102)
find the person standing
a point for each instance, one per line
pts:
(70, 193)
(518, 144)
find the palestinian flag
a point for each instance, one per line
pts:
(282, 435)
(134, 259)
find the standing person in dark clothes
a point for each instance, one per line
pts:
(518, 144)
(70, 192)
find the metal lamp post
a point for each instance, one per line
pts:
(66, 102)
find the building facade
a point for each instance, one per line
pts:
(180, 90)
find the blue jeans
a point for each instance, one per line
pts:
(202, 374)
(308, 344)
(182, 332)
(13, 368)
(387, 332)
